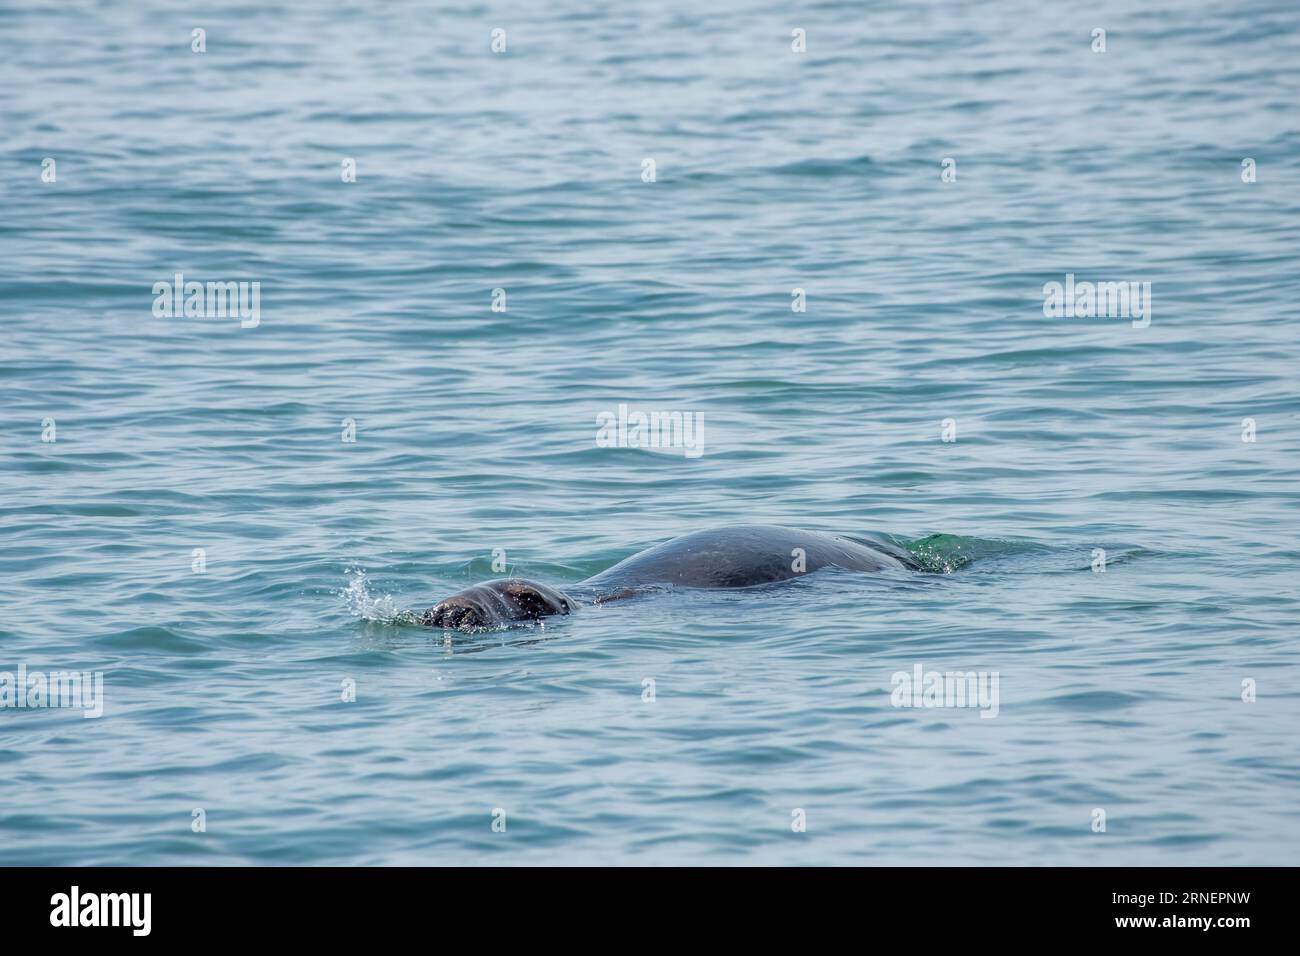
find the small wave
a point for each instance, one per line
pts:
(824, 168)
(942, 553)
(946, 553)
(368, 607)
(160, 639)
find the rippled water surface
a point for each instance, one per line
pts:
(224, 689)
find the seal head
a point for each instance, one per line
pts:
(495, 603)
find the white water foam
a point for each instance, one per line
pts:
(361, 603)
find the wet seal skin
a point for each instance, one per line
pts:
(494, 603)
(735, 557)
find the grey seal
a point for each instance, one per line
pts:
(742, 556)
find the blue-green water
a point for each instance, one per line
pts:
(476, 430)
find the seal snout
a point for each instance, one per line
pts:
(455, 612)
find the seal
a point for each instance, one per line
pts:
(742, 556)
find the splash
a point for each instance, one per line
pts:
(942, 553)
(361, 603)
(946, 553)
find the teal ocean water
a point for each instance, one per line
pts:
(230, 521)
